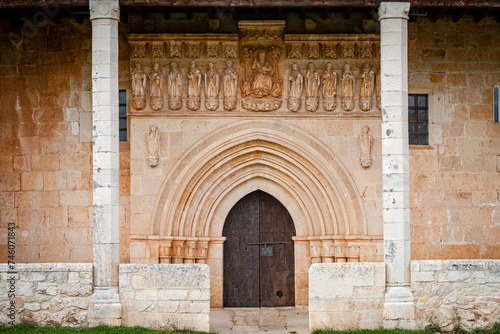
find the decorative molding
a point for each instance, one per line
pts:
(138, 49)
(394, 10)
(104, 9)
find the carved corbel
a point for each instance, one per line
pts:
(348, 50)
(193, 50)
(340, 251)
(366, 51)
(175, 50)
(353, 253)
(138, 49)
(315, 246)
(312, 50)
(294, 50)
(212, 49)
(230, 50)
(104, 9)
(156, 49)
(202, 250)
(329, 50)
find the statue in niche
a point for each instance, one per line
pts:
(296, 81)
(312, 88)
(347, 89)
(138, 87)
(262, 82)
(230, 82)
(366, 86)
(329, 87)
(194, 87)
(378, 92)
(365, 147)
(153, 146)
(174, 87)
(156, 87)
(212, 81)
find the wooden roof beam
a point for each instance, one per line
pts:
(211, 13)
(347, 14)
(52, 13)
(188, 13)
(303, 13)
(78, 19)
(280, 13)
(257, 12)
(479, 17)
(325, 13)
(438, 15)
(141, 12)
(461, 14)
(165, 12)
(234, 12)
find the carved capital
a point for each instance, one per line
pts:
(104, 9)
(394, 10)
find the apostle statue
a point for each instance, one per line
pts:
(156, 87)
(347, 89)
(212, 81)
(296, 81)
(174, 87)
(366, 87)
(230, 82)
(194, 87)
(312, 88)
(138, 87)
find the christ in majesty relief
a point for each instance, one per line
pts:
(262, 76)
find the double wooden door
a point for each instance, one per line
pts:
(259, 254)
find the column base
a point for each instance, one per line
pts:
(105, 308)
(399, 308)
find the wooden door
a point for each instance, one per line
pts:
(259, 254)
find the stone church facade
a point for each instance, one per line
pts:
(144, 148)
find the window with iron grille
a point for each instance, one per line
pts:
(122, 105)
(418, 119)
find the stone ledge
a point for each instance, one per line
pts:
(49, 267)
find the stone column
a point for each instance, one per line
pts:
(105, 305)
(399, 310)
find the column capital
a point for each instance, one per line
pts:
(393, 10)
(104, 9)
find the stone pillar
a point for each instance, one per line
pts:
(105, 305)
(399, 310)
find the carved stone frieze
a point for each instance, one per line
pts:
(212, 49)
(138, 81)
(312, 50)
(294, 50)
(156, 87)
(156, 49)
(348, 50)
(175, 50)
(138, 49)
(260, 35)
(153, 142)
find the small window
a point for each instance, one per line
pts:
(122, 97)
(418, 119)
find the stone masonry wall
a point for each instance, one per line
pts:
(172, 296)
(47, 294)
(455, 181)
(464, 292)
(346, 296)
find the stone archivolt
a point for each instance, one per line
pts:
(260, 77)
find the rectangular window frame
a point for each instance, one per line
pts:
(121, 129)
(422, 136)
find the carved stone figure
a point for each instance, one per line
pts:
(312, 88)
(262, 82)
(296, 81)
(230, 82)
(174, 87)
(153, 146)
(212, 81)
(366, 87)
(194, 87)
(347, 89)
(365, 147)
(156, 87)
(138, 87)
(329, 87)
